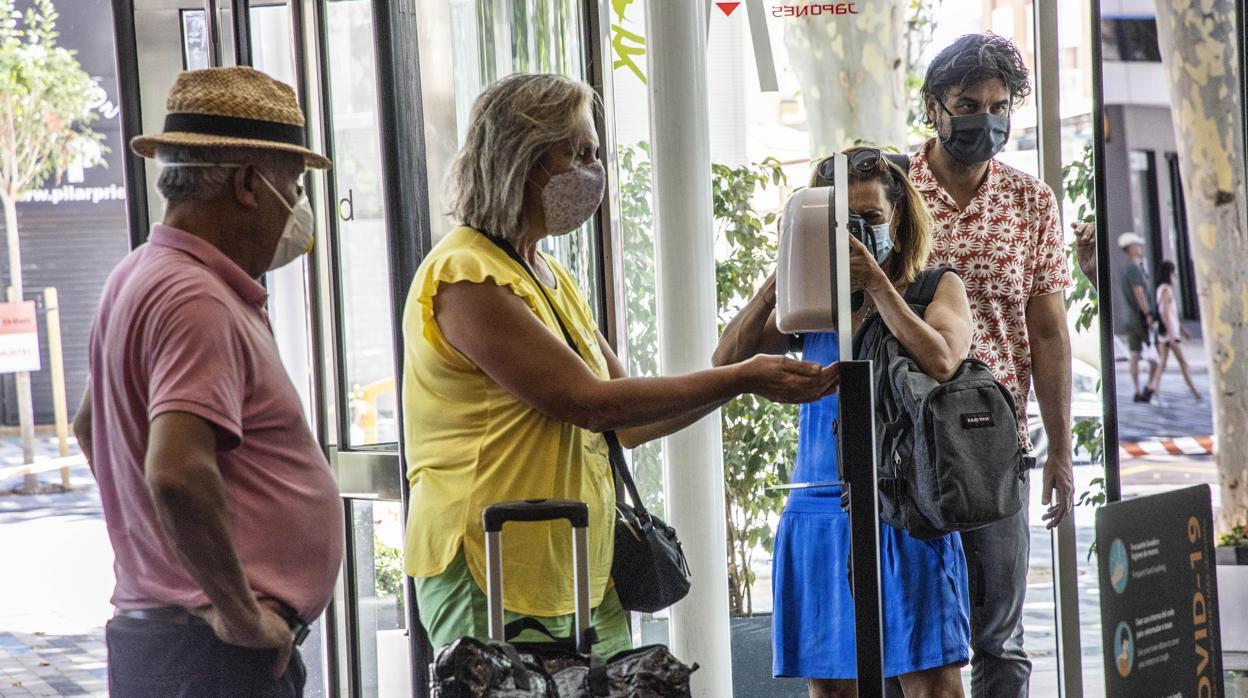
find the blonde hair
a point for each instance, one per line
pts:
(513, 123)
(912, 223)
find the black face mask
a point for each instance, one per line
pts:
(975, 138)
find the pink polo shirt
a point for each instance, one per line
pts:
(182, 328)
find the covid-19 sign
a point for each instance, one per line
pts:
(1159, 597)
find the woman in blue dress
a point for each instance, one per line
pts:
(926, 626)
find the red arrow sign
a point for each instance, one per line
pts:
(727, 7)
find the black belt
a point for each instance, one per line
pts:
(178, 615)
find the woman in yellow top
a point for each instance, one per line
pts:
(497, 406)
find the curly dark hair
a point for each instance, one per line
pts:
(973, 58)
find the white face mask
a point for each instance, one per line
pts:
(297, 235)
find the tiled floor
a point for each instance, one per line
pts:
(52, 665)
(55, 585)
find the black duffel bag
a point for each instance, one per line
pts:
(562, 667)
(468, 668)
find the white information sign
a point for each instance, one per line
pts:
(19, 337)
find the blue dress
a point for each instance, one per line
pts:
(923, 583)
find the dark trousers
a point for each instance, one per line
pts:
(996, 561)
(151, 658)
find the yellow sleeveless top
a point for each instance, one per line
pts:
(470, 443)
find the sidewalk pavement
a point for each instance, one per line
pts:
(1178, 414)
(54, 594)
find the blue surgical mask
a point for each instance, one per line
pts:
(883, 242)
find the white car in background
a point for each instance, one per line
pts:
(1085, 404)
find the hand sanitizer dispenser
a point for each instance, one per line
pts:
(812, 276)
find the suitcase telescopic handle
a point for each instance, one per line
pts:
(577, 513)
(536, 510)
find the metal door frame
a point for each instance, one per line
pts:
(376, 472)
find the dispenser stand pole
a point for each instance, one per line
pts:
(857, 457)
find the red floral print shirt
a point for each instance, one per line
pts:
(1007, 246)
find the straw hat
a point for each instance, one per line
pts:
(1128, 239)
(231, 107)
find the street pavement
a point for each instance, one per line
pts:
(55, 590)
(1178, 413)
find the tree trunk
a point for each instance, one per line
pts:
(1198, 50)
(25, 406)
(851, 69)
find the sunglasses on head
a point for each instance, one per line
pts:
(864, 160)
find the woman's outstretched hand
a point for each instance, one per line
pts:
(785, 379)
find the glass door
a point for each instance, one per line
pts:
(334, 319)
(358, 299)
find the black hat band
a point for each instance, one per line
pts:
(232, 126)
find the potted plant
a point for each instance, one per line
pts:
(1233, 546)
(1232, 559)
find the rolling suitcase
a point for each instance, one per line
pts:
(563, 667)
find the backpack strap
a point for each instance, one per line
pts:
(923, 289)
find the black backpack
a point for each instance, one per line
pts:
(950, 457)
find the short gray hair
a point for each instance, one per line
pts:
(190, 184)
(513, 123)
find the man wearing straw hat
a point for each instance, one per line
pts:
(225, 520)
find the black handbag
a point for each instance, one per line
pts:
(649, 567)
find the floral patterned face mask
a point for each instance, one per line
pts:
(570, 198)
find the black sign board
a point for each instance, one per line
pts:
(1159, 596)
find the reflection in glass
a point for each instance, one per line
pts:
(384, 660)
(194, 40)
(1164, 440)
(1130, 39)
(365, 301)
(271, 52)
(1164, 431)
(532, 36)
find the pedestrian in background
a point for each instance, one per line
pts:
(1170, 331)
(225, 519)
(1138, 311)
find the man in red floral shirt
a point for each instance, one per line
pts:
(999, 228)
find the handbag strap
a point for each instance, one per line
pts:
(619, 467)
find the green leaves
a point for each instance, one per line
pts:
(1237, 537)
(388, 574)
(641, 310)
(1089, 435)
(1078, 181)
(45, 102)
(759, 437)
